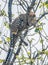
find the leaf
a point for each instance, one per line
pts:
(40, 22)
(0, 32)
(32, 59)
(23, 62)
(17, 56)
(40, 58)
(46, 2)
(1, 60)
(40, 6)
(30, 41)
(40, 28)
(28, 52)
(3, 13)
(28, 60)
(40, 52)
(46, 52)
(7, 39)
(46, 6)
(41, 41)
(6, 24)
(37, 30)
(0, 41)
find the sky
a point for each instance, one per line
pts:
(6, 31)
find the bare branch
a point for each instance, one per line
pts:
(22, 5)
(31, 6)
(37, 5)
(42, 16)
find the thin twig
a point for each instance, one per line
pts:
(22, 5)
(37, 6)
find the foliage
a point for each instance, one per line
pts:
(1, 60)
(3, 13)
(44, 4)
(0, 41)
(7, 39)
(6, 24)
(38, 35)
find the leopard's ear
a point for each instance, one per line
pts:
(32, 13)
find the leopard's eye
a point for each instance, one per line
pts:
(33, 15)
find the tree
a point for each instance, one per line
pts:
(36, 36)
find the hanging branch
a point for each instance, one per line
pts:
(11, 43)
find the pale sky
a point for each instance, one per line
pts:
(7, 31)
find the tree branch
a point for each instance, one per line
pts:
(10, 10)
(31, 6)
(42, 16)
(37, 5)
(22, 5)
